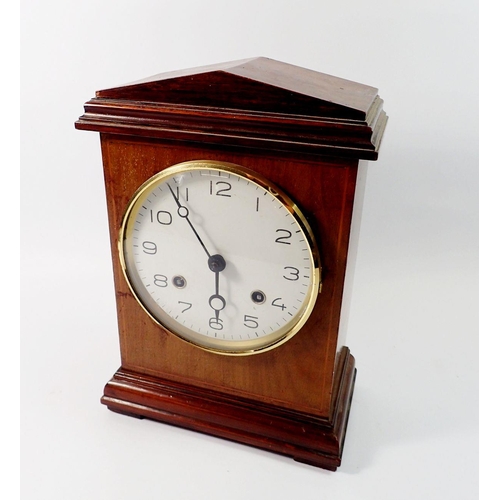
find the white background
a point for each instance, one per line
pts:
(413, 430)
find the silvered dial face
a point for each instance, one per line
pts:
(219, 257)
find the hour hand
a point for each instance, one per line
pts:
(217, 303)
(216, 263)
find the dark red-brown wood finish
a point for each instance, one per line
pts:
(305, 132)
(255, 103)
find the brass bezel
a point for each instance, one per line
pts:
(273, 190)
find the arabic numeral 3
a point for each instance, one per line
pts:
(292, 273)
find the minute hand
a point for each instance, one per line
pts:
(184, 213)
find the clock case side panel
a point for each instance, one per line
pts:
(298, 375)
(352, 251)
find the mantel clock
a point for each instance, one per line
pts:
(234, 196)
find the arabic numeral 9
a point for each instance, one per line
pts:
(149, 247)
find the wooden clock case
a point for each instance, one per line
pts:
(305, 131)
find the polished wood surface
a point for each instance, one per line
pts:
(305, 132)
(317, 442)
(258, 103)
(298, 374)
(257, 84)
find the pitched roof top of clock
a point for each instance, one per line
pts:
(258, 84)
(254, 103)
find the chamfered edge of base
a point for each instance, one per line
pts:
(304, 438)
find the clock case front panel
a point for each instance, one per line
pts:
(294, 399)
(297, 377)
(279, 377)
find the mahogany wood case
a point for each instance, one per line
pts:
(304, 131)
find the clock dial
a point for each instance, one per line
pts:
(220, 257)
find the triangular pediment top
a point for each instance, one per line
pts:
(252, 103)
(258, 84)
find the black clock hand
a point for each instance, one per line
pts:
(184, 213)
(216, 263)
